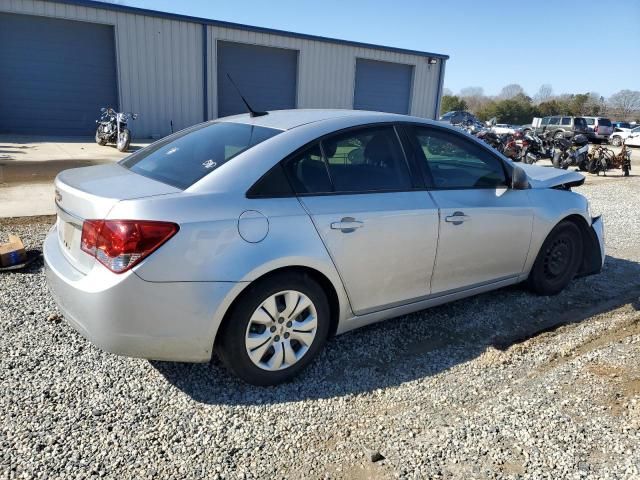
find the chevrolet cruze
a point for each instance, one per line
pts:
(258, 237)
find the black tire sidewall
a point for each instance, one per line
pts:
(122, 147)
(231, 343)
(99, 140)
(537, 280)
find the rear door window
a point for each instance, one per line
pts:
(566, 121)
(580, 123)
(366, 160)
(184, 158)
(307, 172)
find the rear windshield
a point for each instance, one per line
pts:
(184, 158)
(605, 122)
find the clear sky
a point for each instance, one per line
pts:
(576, 46)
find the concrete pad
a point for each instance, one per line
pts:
(29, 164)
(27, 200)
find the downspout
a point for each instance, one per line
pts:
(436, 114)
(205, 74)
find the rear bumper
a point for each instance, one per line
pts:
(598, 136)
(126, 315)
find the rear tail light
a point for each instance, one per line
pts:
(121, 244)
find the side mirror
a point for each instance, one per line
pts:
(519, 179)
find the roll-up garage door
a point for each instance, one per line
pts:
(266, 77)
(382, 86)
(54, 74)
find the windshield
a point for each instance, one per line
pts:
(184, 158)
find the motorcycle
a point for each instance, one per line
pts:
(112, 128)
(532, 148)
(571, 152)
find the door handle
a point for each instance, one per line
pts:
(347, 225)
(457, 218)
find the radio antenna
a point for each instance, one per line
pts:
(252, 112)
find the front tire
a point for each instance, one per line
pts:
(124, 139)
(616, 141)
(275, 330)
(558, 260)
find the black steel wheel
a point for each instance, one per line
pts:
(558, 259)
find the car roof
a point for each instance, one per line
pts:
(288, 119)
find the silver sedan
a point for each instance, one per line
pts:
(257, 238)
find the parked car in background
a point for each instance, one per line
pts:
(456, 117)
(622, 126)
(501, 128)
(258, 237)
(562, 127)
(600, 128)
(630, 137)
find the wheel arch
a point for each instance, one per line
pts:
(592, 258)
(324, 282)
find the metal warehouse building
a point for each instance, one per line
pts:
(60, 61)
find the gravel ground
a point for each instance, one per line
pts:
(503, 385)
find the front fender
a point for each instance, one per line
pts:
(551, 206)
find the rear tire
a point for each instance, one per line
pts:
(99, 140)
(264, 312)
(558, 260)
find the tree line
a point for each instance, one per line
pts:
(514, 106)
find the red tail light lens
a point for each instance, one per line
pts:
(121, 244)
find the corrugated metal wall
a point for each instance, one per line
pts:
(160, 65)
(326, 71)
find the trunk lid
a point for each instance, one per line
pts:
(91, 193)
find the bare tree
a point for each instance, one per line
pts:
(447, 92)
(474, 97)
(471, 92)
(625, 102)
(511, 90)
(545, 92)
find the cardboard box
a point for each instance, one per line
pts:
(12, 253)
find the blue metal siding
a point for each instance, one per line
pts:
(55, 75)
(266, 77)
(382, 86)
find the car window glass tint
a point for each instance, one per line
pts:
(454, 162)
(554, 121)
(366, 160)
(566, 121)
(185, 157)
(307, 172)
(545, 121)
